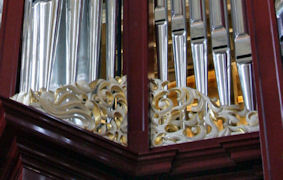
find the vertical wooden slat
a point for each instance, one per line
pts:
(268, 78)
(10, 42)
(136, 60)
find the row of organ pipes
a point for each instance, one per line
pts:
(54, 29)
(62, 42)
(220, 41)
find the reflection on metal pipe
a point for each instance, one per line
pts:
(179, 38)
(83, 58)
(161, 28)
(58, 77)
(111, 20)
(26, 45)
(199, 43)
(73, 22)
(243, 52)
(1, 11)
(40, 38)
(95, 20)
(279, 15)
(246, 77)
(221, 48)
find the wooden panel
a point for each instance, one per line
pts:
(10, 42)
(268, 76)
(136, 61)
(58, 149)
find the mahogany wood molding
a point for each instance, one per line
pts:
(269, 83)
(58, 149)
(135, 48)
(10, 43)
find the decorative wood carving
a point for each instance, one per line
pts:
(58, 149)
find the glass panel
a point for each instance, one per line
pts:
(202, 44)
(71, 56)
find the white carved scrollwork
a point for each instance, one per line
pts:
(177, 115)
(100, 107)
(181, 115)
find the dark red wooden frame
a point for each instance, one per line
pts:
(269, 84)
(21, 124)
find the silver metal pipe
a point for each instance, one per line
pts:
(279, 16)
(221, 48)
(26, 45)
(179, 38)
(199, 43)
(161, 29)
(222, 67)
(58, 77)
(243, 51)
(83, 64)
(41, 33)
(73, 22)
(95, 23)
(111, 21)
(1, 10)
(246, 78)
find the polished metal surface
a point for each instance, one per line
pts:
(279, 16)
(222, 65)
(199, 43)
(111, 22)
(26, 45)
(246, 78)
(221, 48)
(1, 11)
(243, 52)
(73, 22)
(40, 37)
(58, 77)
(241, 34)
(179, 38)
(95, 20)
(199, 52)
(83, 59)
(161, 28)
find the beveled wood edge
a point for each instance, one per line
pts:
(175, 159)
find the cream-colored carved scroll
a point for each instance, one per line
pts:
(100, 107)
(180, 115)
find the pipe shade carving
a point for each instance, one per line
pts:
(100, 106)
(179, 115)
